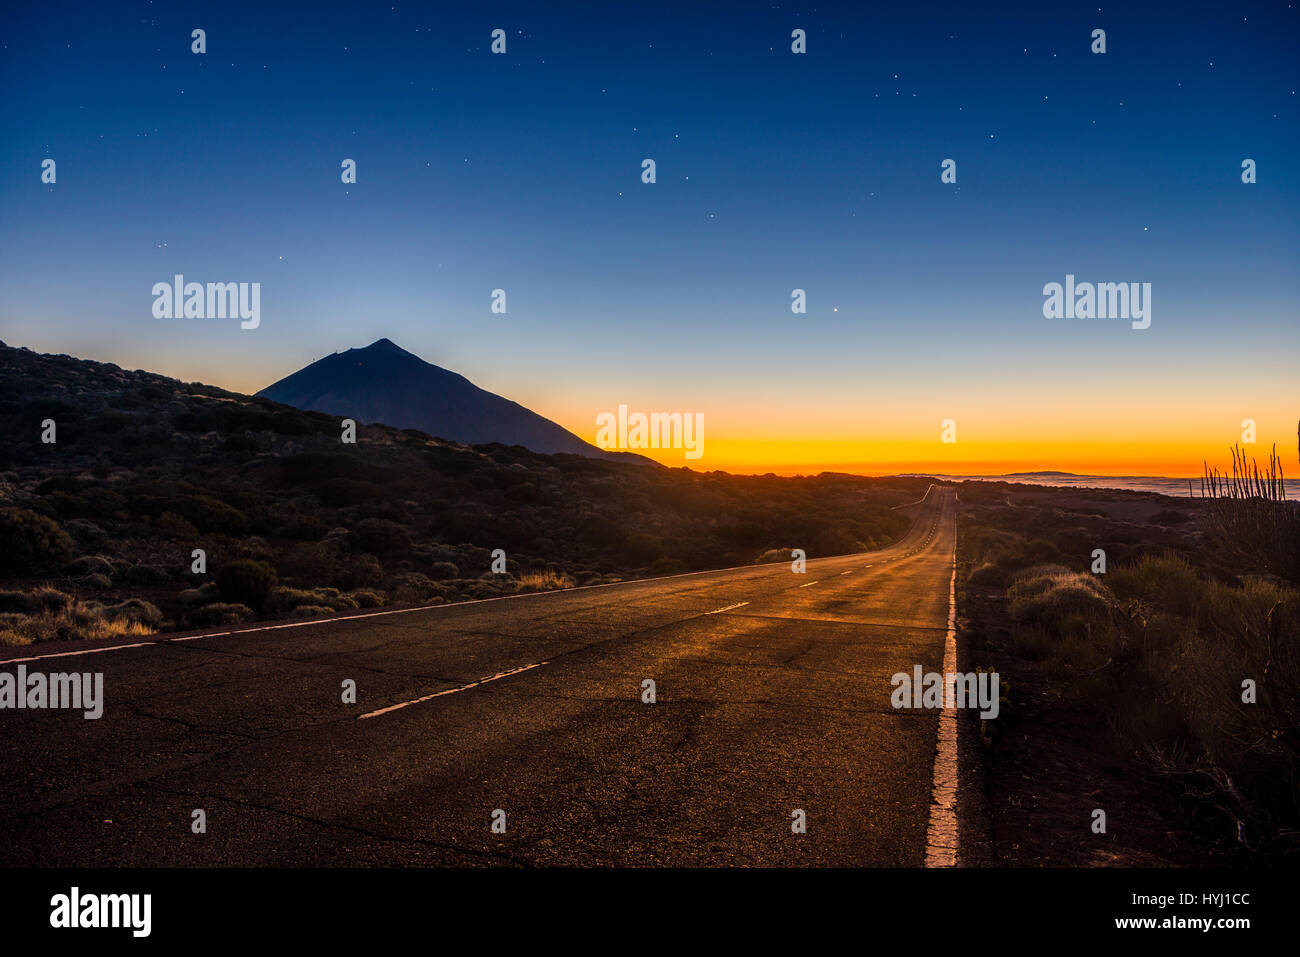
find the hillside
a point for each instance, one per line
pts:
(97, 529)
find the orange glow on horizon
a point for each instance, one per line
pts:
(1174, 459)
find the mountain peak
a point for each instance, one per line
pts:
(384, 345)
(382, 382)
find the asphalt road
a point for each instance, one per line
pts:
(772, 695)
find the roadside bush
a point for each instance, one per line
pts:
(367, 598)
(1046, 595)
(137, 610)
(987, 575)
(31, 543)
(219, 614)
(246, 581)
(89, 565)
(312, 611)
(444, 571)
(203, 595)
(64, 621)
(547, 580)
(414, 588)
(1166, 580)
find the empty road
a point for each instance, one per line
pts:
(773, 694)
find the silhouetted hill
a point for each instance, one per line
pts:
(98, 528)
(385, 383)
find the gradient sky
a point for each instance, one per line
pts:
(775, 171)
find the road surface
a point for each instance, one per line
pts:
(772, 695)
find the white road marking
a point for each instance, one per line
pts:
(941, 835)
(439, 694)
(67, 654)
(739, 604)
(810, 584)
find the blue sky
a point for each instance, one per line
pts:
(775, 171)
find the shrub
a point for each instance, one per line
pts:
(208, 514)
(62, 621)
(987, 575)
(546, 580)
(283, 600)
(312, 611)
(246, 581)
(414, 588)
(51, 599)
(312, 562)
(220, 613)
(1166, 580)
(367, 598)
(31, 543)
(204, 594)
(443, 571)
(135, 609)
(1048, 595)
(89, 565)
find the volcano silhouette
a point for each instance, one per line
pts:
(383, 383)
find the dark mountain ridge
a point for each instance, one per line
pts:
(384, 383)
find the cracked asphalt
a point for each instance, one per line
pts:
(776, 704)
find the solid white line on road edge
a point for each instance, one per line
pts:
(716, 611)
(810, 584)
(941, 835)
(68, 654)
(439, 694)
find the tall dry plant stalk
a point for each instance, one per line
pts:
(1249, 516)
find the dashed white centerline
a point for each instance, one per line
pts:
(810, 584)
(439, 694)
(739, 604)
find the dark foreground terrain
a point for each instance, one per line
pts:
(98, 528)
(1122, 689)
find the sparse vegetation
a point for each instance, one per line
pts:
(30, 542)
(1248, 515)
(400, 518)
(45, 614)
(246, 581)
(1156, 649)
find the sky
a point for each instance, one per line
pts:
(775, 171)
